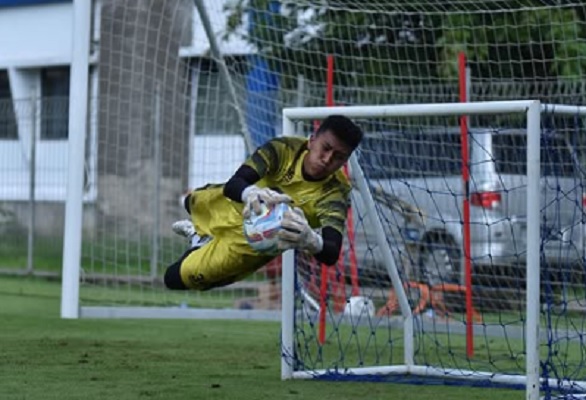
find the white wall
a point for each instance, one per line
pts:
(214, 159)
(51, 158)
(33, 37)
(36, 35)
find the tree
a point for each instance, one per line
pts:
(404, 42)
(543, 42)
(370, 48)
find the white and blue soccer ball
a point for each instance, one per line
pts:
(261, 230)
(359, 307)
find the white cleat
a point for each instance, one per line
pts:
(184, 228)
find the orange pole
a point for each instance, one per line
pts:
(330, 81)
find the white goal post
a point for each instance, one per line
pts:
(532, 109)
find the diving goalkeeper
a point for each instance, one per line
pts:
(304, 172)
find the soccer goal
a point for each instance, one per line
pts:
(468, 235)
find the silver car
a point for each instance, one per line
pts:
(416, 179)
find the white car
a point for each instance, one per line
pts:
(416, 178)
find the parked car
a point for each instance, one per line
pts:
(416, 178)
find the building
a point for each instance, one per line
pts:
(129, 78)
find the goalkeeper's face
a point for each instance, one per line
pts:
(326, 155)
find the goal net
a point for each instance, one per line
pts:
(183, 91)
(467, 241)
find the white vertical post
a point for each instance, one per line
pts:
(287, 294)
(533, 255)
(32, 189)
(287, 314)
(78, 99)
(389, 261)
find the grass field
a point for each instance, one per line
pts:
(44, 357)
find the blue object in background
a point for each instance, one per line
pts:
(17, 3)
(262, 88)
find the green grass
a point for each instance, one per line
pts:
(105, 255)
(44, 357)
(46, 254)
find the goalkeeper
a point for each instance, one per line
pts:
(304, 172)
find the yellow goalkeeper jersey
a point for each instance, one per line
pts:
(279, 163)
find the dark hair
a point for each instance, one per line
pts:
(343, 128)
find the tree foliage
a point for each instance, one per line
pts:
(531, 43)
(397, 41)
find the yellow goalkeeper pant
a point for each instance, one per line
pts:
(218, 263)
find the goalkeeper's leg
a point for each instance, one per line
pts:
(172, 277)
(173, 274)
(213, 265)
(186, 229)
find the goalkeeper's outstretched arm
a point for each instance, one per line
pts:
(243, 178)
(332, 244)
(331, 239)
(247, 175)
(241, 188)
(297, 234)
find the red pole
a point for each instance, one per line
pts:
(330, 81)
(466, 208)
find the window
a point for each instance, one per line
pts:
(510, 155)
(8, 128)
(55, 103)
(402, 155)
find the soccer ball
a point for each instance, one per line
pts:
(261, 229)
(359, 307)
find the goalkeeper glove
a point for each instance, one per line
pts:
(297, 234)
(253, 197)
